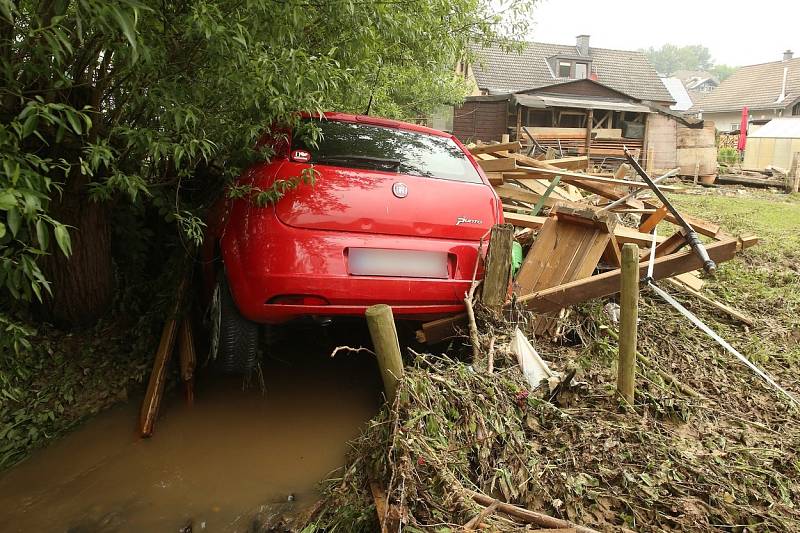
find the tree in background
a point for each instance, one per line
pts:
(135, 102)
(670, 58)
(721, 72)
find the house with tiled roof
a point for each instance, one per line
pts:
(575, 100)
(538, 65)
(769, 90)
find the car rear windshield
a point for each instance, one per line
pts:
(354, 145)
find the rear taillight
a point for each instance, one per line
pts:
(298, 299)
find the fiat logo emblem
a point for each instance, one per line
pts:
(400, 189)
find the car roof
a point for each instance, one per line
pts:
(375, 121)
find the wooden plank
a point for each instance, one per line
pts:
(608, 283)
(524, 221)
(531, 162)
(569, 163)
(494, 148)
(653, 220)
(567, 175)
(738, 315)
(623, 234)
(626, 235)
(541, 186)
(674, 242)
(691, 280)
(498, 165)
(512, 192)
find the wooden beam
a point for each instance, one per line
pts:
(608, 283)
(569, 163)
(497, 165)
(493, 148)
(495, 178)
(524, 221)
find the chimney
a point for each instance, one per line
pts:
(787, 55)
(582, 44)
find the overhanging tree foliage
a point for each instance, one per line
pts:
(128, 101)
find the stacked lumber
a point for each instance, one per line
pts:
(574, 223)
(572, 141)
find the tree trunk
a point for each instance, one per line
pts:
(82, 284)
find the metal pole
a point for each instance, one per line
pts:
(691, 236)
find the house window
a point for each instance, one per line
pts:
(796, 109)
(572, 69)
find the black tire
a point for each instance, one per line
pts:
(238, 337)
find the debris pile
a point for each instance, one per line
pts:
(575, 222)
(459, 438)
(529, 432)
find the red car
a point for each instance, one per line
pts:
(395, 215)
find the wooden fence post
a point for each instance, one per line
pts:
(629, 314)
(498, 267)
(380, 321)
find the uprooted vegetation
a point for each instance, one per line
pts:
(726, 459)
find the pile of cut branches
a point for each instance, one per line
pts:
(670, 462)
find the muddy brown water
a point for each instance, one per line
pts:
(213, 464)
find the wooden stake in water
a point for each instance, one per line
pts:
(380, 321)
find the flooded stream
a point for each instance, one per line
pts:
(212, 464)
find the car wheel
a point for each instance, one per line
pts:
(237, 349)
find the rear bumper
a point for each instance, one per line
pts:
(266, 259)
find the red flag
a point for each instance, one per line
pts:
(743, 129)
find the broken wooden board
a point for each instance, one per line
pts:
(596, 286)
(568, 247)
(608, 283)
(623, 234)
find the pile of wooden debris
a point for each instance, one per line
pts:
(574, 222)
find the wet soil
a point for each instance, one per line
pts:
(214, 464)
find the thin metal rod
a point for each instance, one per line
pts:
(637, 192)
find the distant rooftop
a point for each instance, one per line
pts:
(756, 86)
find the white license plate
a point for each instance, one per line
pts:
(397, 263)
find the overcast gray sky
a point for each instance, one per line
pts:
(736, 32)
